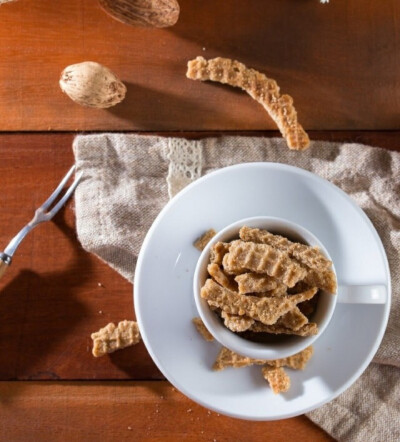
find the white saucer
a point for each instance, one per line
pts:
(164, 301)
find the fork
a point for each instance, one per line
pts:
(42, 214)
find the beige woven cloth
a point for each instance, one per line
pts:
(129, 178)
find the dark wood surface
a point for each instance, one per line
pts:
(339, 61)
(134, 411)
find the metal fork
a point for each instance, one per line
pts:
(42, 214)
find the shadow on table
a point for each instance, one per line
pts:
(165, 110)
(125, 361)
(37, 312)
(284, 39)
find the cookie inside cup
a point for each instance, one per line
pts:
(269, 283)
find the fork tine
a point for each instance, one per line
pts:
(58, 190)
(41, 215)
(64, 199)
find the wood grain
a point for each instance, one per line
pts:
(339, 61)
(145, 411)
(51, 300)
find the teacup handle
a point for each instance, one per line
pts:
(362, 294)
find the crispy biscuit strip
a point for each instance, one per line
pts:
(219, 276)
(309, 329)
(112, 338)
(319, 268)
(293, 319)
(202, 329)
(237, 323)
(262, 258)
(204, 239)
(255, 283)
(292, 322)
(266, 310)
(277, 378)
(308, 307)
(263, 89)
(231, 268)
(228, 358)
(280, 291)
(325, 280)
(297, 361)
(218, 251)
(309, 256)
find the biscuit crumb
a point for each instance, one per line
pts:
(228, 358)
(218, 251)
(297, 361)
(277, 378)
(201, 328)
(204, 239)
(236, 323)
(112, 338)
(221, 277)
(293, 319)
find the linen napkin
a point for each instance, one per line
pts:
(129, 178)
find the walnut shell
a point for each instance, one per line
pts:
(147, 13)
(93, 85)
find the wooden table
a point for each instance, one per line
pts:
(341, 64)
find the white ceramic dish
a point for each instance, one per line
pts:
(165, 305)
(282, 348)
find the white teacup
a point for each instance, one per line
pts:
(287, 345)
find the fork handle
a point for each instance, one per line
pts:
(5, 261)
(3, 268)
